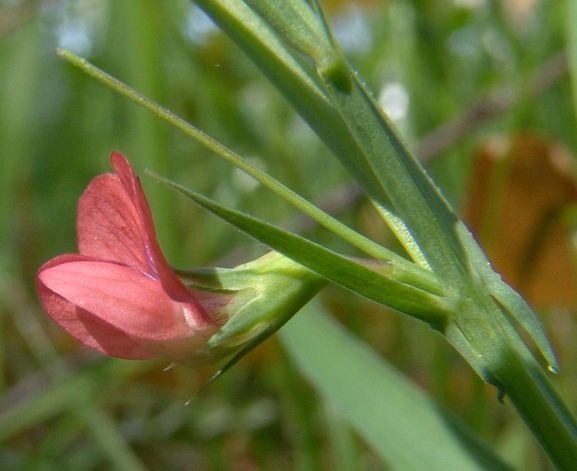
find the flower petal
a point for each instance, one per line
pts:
(85, 327)
(126, 299)
(108, 226)
(115, 223)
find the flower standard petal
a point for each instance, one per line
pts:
(158, 263)
(115, 223)
(108, 225)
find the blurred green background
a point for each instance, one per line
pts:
(464, 80)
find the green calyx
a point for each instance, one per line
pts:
(266, 293)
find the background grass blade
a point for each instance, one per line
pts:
(405, 427)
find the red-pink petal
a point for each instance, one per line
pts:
(124, 298)
(83, 326)
(172, 284)
(115, 223)
(108, 225)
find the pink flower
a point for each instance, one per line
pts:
(119, 295)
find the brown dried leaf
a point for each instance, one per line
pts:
(519, 191)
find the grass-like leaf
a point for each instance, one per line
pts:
(398, 420)
(376, 284)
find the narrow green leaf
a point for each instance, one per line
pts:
(345, 449)
(516, 306)
(334, 267)
(401, 424)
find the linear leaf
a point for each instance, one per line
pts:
(398, 420)
(334, 267)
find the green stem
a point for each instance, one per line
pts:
(542, 410)
(544, 413)
(355, 129)
(495, 350)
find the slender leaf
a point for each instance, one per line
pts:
(402, 425)
(380, 287)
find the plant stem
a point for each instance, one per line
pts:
(542, 410)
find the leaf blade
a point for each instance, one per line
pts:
(335, 267)
(407, 429)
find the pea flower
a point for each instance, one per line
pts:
(119, 295)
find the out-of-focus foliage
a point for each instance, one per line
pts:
(429, 62)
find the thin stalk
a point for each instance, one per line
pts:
(543, 411)
(494, 348)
